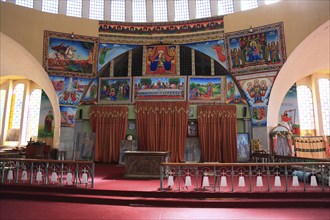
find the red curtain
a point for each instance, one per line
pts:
(218, 133)
(109, 124)
(162, 127)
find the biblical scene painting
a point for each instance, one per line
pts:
(159, 88)
(68, 115)
(108, 51)
(233, 94)
(160, 60)
(115, 90)
(90, 94)
(262, 49)
(69, 54)
(243, 147)
(46, 118)
(259, 115)
(214, 49)
(206, 89)
(69, 90)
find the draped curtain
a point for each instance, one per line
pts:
(109, 124)
(218, 133)
(162, 126)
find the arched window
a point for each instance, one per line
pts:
(324, 86)
(203, 8)
(74, 8)
(50, 6)
(117, 10)
(181, 10)
(2, 108)
(96, 9)
(139, 11)
(225, 7)
(33, 114)
(160, 10)
(15, 116)
(305, 106)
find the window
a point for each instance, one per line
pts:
(268, 2)
(25, 3)
(324, 86)
(203, 8)
(50, 6)
(139, 11)
(160, 10)
(118, 10)
(96, 9)
(33, 114)
(248, 4)
(2, 108)
(225, 7)
(305, 106)
(181, 10)
(74, 8)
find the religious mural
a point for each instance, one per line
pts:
(69, 90)
(108, 51)
(46, 118)
(233, 94)
(90, 95)
(159, 88)
(160, 60)
(214, 49)
(70, 54)
(206, 89)
(68, 115)
(115, 90)
(261, 49)
(257, 88)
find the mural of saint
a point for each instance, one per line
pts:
(161, 60)
(49, 122)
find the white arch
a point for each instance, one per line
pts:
(16, 61)
(312, 55)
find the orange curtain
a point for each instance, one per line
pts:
(218, 133)
(109, 124)
(162, 127)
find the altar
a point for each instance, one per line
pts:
(144, 164)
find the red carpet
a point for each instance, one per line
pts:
(114, 193)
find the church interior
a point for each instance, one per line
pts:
(218, 108)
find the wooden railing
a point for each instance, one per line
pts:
(246, 177)
(46, 172)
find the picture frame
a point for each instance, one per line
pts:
(70, 54)
(162, 88)
(243, 147)
(203, 89)
(192, 129)
(160, 59)
(115, 90)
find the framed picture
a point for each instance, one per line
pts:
(192, 129)
(115, 90)
(160, 60)
(206, 89)
(70, 54)
(263, 49)
(167, 88)
(243, 147)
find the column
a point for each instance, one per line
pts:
(85, 9)
(149, 10)
(192, 9)
(128, 7)
(214, 8)
(107, 10)
(170, 10)
(62, 6)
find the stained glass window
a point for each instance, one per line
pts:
(324, 86)
(203, 8)
(16, 107)
(139, 11)
(305, 106)
(50, 6)
(33, 114)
